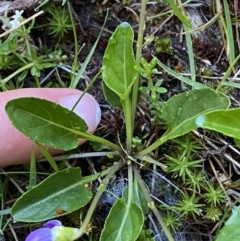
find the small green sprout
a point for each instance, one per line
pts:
(146, 69)
(189, 205)
(137, 143)
(145, 235)
(153, 90)
(207, 71)
(214, 195)
(187, 142)
(171, 220)
(213, 213)
(163, 45)
(60, 22)
(182, 166)
(195, 180)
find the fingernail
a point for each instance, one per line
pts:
(88, 109)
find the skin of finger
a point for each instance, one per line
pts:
(15, 148)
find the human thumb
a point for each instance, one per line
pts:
(15, 148)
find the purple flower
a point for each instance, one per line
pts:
(52, 231)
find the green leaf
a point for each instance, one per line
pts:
(49, 157)
(194, 84)
(33, 175)
(118, 62)
(47, 65)
(138, 196)
(231, 230)
(181, 110)
(22, 76)
(63, 190)
(111, 97)
(237, 142)
(226, 122)
(4, 47)
(46, 122)
(124, 222)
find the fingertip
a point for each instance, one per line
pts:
(87, 108)
(15, 148)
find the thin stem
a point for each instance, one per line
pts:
(138, 57)
(74, 66)
(26, 40)
(2, 190)
(152, 205)
(86, 89)
(90, 54)
(37, 81)
(95, 176)
(20, 57)
(80, 155)
(128, 122)
(148, 159)
(224, 78)
(28, 66)
(97, 139)
(101, 189)
(180, 15)
(154, 145)
(130, 184)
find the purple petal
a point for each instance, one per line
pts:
(52, 223)
(41, 234)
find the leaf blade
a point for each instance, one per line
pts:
(223, 121)
(118, 62)
(46, 122)
(231, 230)
(182, 109)
(124, 222)
(111, 97)
(62, 190)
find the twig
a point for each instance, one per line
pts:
(228, 157)
(220, 183)
(20, 24)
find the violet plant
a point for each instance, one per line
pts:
(52, 231)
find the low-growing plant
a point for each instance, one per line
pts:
(145, 235)
(163, 45)
(172, 220)
(214, 195)
(196, 180)
(19, 55)
(66, 191)
(153, 90)
(189, 205)
(59, 22)
(213, 213)
(182, 165)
